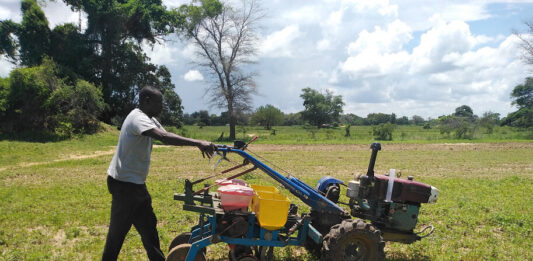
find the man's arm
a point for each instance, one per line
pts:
(169, 138)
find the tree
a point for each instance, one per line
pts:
(8, 45)
(351, 119)
(267, 116)
(38, 100)
(522, 98)
(321, 108)
(383, 131)
(75, 108)
(464, 111)
(172, 112)
(527, 42)
(380, 118)
(402, 120)
(462, 127)
(290, 119)
(115, 32)
(107, 54)
(33, 35)
(417, 120)
(489, 120)
(226, 41)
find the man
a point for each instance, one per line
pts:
(131, 203)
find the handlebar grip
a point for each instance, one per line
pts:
(253, 139)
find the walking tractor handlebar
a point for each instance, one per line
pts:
(252, 219)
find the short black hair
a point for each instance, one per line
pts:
(148, 92)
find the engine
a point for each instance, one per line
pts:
(368, 199)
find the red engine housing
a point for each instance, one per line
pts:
(403, 190)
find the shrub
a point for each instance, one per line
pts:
(29, 89)
(79, 106)
(35, 99)
(383, 131)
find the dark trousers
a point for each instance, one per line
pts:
(131, 205)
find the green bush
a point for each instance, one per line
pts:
(29, 89)
(77, 106)
(35, 99)
(383, 131)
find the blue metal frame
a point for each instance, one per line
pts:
(298, 188)
(204, 234)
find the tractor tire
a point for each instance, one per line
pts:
(179, 253)
(312, 247)
(353, 240)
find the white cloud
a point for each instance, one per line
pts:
(308, 14)
(57, 12)
(445, 70)
(440, 41)
(5, 67)
(278, 44)
(323, 44)
(464, 12)
(193, 75)
(175, 3)
(161, 54)
(392, 39)
(5, 13)
(383, 7)
(378, 52)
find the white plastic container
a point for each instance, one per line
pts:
(235, 197)
(390, 185)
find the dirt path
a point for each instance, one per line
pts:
(70, 157)
(316, 147)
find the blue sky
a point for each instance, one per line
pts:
(408, 57)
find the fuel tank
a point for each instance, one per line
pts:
(403, 190)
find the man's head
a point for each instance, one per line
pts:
(150, 101)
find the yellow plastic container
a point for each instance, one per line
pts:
(264, 188)
(271, 208)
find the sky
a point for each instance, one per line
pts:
(410, 58)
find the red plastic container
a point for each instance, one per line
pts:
(235, 197)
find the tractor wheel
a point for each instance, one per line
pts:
(179, 253)
(312, 247)
(353, 240)
(182, 238)
(266, 253)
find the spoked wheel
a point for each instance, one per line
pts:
(353, 240)
(182, 238)
(179, 253)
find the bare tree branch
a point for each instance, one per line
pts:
(226, 42)
(527, 42)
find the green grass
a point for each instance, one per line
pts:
(54, 203)
(359, 135)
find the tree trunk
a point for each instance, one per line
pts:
(106, 76)
(232, 121)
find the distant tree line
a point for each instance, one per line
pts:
(324, 110)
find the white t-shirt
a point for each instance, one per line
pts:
(131, 161)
